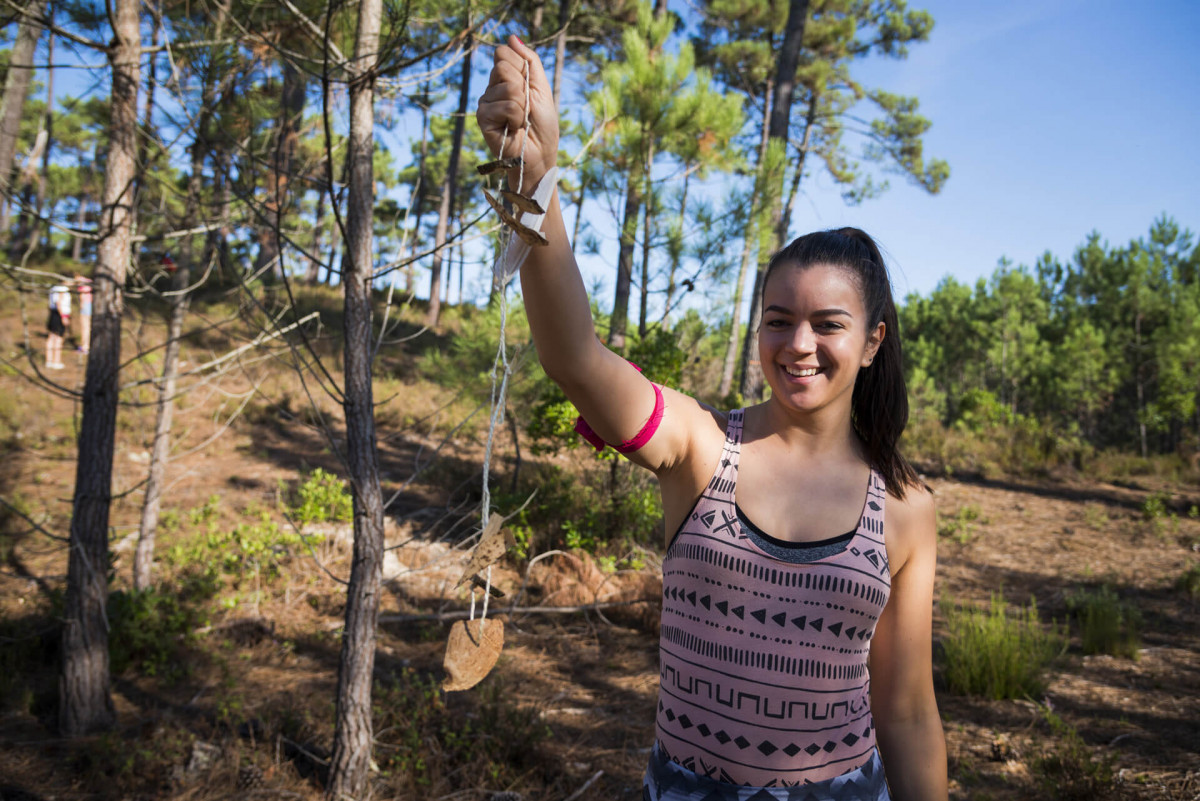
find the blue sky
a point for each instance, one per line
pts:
(1058, 117)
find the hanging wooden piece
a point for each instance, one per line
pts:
(471, 652)
(522, 202)
(527, 234)
(494, 542)
(489, 167)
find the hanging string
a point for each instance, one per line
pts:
(499, 365)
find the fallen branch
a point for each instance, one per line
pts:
(585, 786)
(463, 614)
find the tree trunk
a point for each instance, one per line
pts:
(314, 264)
(560, 48)
(84, 700)
(417, 197)
(777, 134)
(291, 112)
(620, 312)
(749, 239)
(648, 220)
(16, 89)
(350, 766)
(143, 560)
(677, 252)
(48, 127)
(446, 209)
(810, 119)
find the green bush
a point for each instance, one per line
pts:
(1107, 625)
(322, 498)
(1066, 768)
(989, 653)
(961, 526)
(425, 737)
(148, 628)
(1189, 582)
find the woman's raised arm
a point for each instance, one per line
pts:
(610, 394)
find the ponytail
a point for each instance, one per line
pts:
(879, 403)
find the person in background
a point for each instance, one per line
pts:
(84, 285)
(56, 325)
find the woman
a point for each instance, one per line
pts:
(798, 580)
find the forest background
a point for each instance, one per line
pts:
(278, 206)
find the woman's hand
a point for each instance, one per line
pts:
(503, 104)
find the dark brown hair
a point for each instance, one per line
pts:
(879, 403)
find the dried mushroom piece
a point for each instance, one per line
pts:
(522, 202)
(471, 652)
(489, 167)
(527, 234)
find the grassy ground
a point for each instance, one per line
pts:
(224, 675)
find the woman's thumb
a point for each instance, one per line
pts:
(529, 54)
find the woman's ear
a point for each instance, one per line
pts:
(873, 342)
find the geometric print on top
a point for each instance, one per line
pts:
(763, 662)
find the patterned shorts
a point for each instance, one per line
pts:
(668, 781)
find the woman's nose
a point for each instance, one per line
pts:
(803, 339)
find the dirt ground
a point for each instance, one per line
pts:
(588, 678)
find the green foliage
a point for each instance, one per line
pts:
(1067, 769)
(149, 629)
(961, 526)
(990, 653)
(322, 498)
(426, 736)
(1189, 582)
(1107, 625)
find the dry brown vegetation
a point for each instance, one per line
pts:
(237, 702)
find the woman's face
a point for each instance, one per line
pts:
(815, 335)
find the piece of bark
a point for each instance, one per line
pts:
(522, 202)
(489, 167)
(493, 544)
(471, 652)
(527, 234)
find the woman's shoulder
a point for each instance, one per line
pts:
(910, 523)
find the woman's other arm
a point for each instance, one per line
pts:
(908, 727)
(610, 394)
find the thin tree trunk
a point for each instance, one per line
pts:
(84, 700)
(418, 193)
(314, 264)
(48, 127)
(445, 210)
(143, 559)
(620, 312)
(350, 766)
(560, 49)
(810, 119)
(777, 133)
(583, 187)
(677, 252)
(291, 112)
(648, 220)
(80, 218)
(749, 240)
(147, 128)
(16, 89)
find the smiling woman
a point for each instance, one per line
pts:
(795, 649)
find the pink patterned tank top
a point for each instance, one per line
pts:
(763, 661)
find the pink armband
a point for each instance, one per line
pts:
(639, 439)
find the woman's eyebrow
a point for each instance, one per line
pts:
(831, 312)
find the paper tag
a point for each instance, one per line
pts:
(517, 251)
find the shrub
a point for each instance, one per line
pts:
(1107, 625)
(424, 737)
(989, 653)
(322, 498)
(1189, 582)
(148, 628)
(961, 526)
(1066, 768)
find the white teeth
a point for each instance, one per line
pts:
(802, 373)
